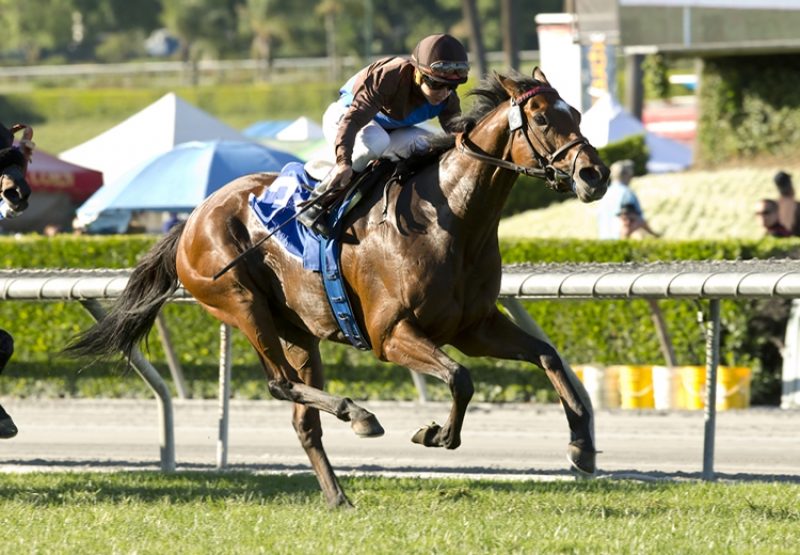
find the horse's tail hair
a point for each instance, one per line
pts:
(151, 284)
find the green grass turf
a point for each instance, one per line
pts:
(142, 512)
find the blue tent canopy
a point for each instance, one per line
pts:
(266, 129)
(180, 179)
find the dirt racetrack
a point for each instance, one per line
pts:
(515, 441)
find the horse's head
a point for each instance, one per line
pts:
(546, 136)
(14, 189)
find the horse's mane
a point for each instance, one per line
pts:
(488, 94)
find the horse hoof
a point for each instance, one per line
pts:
(7, 428)
(582, 460)
(426, 436)
(367, 427)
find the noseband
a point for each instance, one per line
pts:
(516, 121)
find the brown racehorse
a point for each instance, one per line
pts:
(421, 264)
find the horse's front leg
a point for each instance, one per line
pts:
(498, 337)
(407, 346)
(307, 424)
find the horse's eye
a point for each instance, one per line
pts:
(539, 119)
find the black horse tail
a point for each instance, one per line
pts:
(151, 284)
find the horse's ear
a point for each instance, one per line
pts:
(509, 84)
(538, 74)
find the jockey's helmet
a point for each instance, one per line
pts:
(442, 58)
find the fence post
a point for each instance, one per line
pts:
(224, 393)
(172, 360)
(151, 376)
(710, 413)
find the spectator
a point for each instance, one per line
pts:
(630, 222)
(788, 207)
(767, 210)
(170, 222)
(620, 194)
(51, 230)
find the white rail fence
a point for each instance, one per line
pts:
(709, 281)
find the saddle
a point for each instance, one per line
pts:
(277, 207)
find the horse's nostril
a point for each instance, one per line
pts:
(593, 176)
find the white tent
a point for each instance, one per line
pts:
(301, 129)
(154, 130)
(607, 122)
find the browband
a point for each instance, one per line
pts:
(533, 92)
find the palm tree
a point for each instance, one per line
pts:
(509, 32)
(470, 9)
(257, 17)
(329, 9)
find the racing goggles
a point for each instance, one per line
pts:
(437, 85)
(459, 70)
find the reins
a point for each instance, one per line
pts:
(517, 121)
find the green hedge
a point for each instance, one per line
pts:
(750, 106)
(256, 101)
(606, 332)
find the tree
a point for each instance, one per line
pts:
(201, 26)
(509, 28)
(35, 28)
(267, 27)
(470, 8)
(340, 39)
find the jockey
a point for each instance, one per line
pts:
(14, 193)
(378, 109)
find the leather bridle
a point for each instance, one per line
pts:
(554, 177)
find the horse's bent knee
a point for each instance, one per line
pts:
(280, 390)
(550, 360)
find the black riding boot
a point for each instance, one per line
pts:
(314, 209)
(7, 427)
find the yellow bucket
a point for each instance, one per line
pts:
(610, 387)
(691, 387)
(733, 387)
(595, 380)
(636, 387)
(666, 384)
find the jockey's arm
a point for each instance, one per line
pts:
(367, 102)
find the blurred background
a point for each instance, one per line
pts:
(702, 95)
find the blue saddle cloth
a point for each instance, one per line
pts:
(278, 204)
(275, 207)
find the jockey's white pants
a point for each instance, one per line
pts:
(373, 141)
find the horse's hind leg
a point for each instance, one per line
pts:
(407, 346)
(497, 337)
